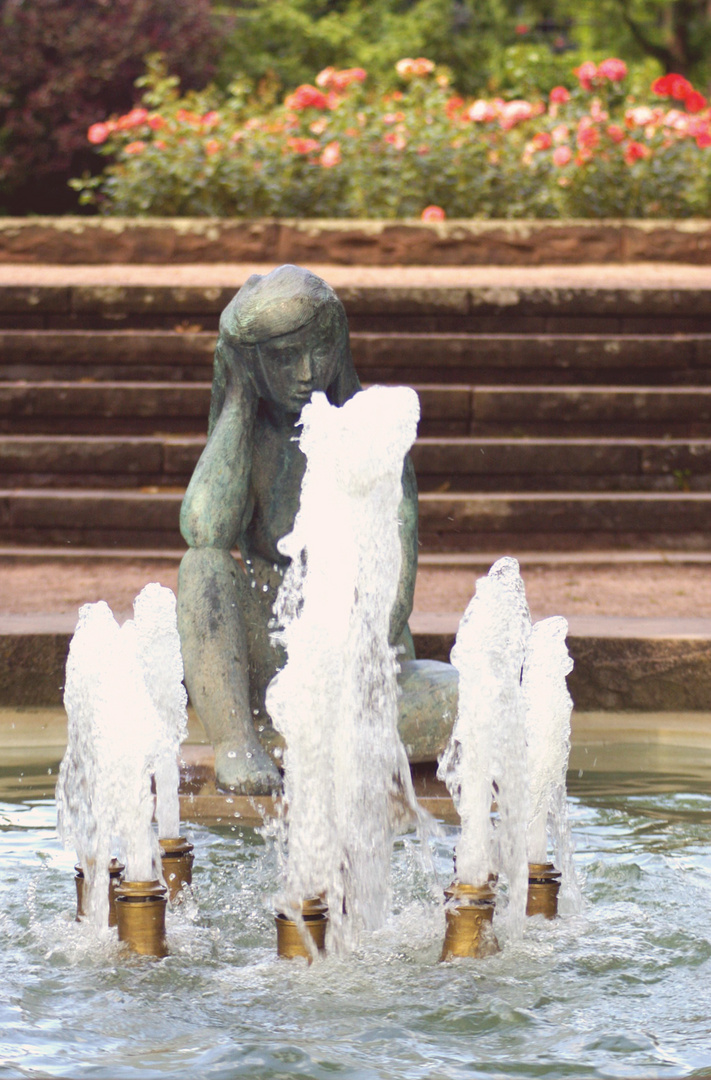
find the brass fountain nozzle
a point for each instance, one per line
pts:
(177, 858)
(290, 939)
(116, 869)
(140, 906)
(469, 913)
(543, 889)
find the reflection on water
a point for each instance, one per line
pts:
(620, 988)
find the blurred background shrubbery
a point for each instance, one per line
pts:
(65, 64)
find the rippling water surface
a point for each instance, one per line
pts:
(621, 987)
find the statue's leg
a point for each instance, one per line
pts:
(265, 658)
(429, 696)
(212, 603)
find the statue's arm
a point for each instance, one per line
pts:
(408, 542)
(217, 503)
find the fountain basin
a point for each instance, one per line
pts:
(615, 989)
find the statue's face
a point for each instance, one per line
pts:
(295, 364)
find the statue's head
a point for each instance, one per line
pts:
(289, 330)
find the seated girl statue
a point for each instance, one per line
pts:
(282, 337)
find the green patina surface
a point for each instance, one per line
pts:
(283, 337)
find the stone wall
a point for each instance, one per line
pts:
(94, 240)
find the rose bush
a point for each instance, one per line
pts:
(344, 148)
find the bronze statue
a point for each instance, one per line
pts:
(282, 337)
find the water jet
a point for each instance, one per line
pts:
(116, 870)
(469, 913)
(140, 917)
(176, 856)
(305, 936)
(543, 889)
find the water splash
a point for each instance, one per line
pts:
(485, 759)
(511, 740)
(124, 725)
(548, 709)
(347, 780)
(161, 663)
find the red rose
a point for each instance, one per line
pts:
(679, 87)
(559, 95)
(695, 102)
(634, 151)
(306, 97)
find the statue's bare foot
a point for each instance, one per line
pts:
(246, 770)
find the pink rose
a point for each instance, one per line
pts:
(559, 95)
(613, 69)
(331, 155)
(98, 133)
(562, 155)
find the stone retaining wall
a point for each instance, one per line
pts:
(93, 240)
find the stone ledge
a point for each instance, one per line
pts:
(466, 242)
(640, 664)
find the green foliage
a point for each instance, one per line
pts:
(674, 33)
(529, 70)
(62, 63)
(291, 39)
(353, 148)
(504, 46)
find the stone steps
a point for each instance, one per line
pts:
(450, 463)
(560, 413)
(467, 357)
(413, 300)
(141, 407)
(453, 521)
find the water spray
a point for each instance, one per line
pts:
(469, 913)
(116, 870)
(176, 856)
(336, 699)
(304, 936)
(485, 758)
(548, 707)
(126, 710)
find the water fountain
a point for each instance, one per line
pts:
(510, 745)
(591, 991)
(347, 781)
(126, 710)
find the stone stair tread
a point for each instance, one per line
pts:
(461, 441)
(451, 521)
(421, 623)
(606, 626)
(466, 356)
(189, 338)
(475, 560)
(640, 664)
(457, 409)
(639, 275)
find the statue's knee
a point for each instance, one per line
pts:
(428, 707)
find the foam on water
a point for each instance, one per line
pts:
(347, 781)
(125, 718)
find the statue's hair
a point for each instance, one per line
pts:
(268, 306)
(216, 507)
